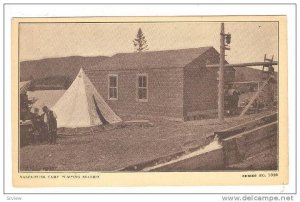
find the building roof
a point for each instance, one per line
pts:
(250, 74)
(152, 59)
(24, 86)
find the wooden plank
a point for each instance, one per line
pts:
(244, 64)
(254, 97)
(237, 148)
(212, 160)
(202, 112)
(259, 130)
(249, 125)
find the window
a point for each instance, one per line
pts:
(112, 87)
(142, 87)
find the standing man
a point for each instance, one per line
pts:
(235, 101)
(49, 118)
(37, 126)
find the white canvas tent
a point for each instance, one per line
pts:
(82, 106)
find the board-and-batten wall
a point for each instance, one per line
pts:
(165, 92)
(200, 88)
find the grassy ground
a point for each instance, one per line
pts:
(111, 148)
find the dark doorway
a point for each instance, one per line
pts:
(103, 120)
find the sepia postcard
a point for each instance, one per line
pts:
(149, 101)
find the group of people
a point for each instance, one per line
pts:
(44, 127)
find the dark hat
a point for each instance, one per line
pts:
(45, 107)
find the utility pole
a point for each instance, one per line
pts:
(221, 76)
(223, 47)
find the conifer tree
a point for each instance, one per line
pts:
(140, 42)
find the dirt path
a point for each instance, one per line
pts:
(116, 148)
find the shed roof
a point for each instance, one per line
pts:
(152, 59)
(24, 86)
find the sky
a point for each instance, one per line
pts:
(249, 40)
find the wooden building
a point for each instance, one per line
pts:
(174, 83)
